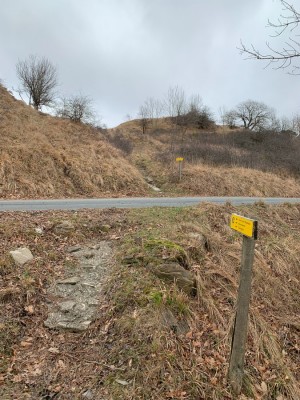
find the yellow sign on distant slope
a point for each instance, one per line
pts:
(246, 226)
(179, 159)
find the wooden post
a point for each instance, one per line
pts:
(180, 170)
(239, 336)
(179, 160)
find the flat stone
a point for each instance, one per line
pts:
(64, 227)
(174, 273)
(178, 326)
(74, 249)
(201, 240)
(74, 326)
(155, 188)
(67, 306)
(88, 394)
(149, 179)
(21, 255)
(69, 281)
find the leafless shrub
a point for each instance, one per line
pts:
(265, 151)
(77, 108)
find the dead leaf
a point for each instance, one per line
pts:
(57, 389)
(29, 309)
(53, 350)
(121, 382)
(264, 387)
(17, 378)
(189, 335)
(61, 364)
(114, 237)
(25, 344)
(197, 344)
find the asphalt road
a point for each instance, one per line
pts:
(138, 202)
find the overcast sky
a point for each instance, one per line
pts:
(119, 52)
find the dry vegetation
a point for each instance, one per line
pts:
(217, 162)
(42, 156)
(46, 157)
(151, 341)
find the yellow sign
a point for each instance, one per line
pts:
(246, 226)
(179, 159)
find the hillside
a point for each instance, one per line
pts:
(216, 162)
(151, 340)
(47, 157)
(42, 156)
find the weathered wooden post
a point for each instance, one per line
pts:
(179, 160)
(248, 227)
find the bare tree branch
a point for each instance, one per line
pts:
(287, 56)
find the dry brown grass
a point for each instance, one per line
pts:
(221, 162)
(43, 156)
(203, 180)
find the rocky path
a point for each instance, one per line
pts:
(74, 300)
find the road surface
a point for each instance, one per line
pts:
(137, 202)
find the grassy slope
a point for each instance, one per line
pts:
(131, 340)
(43, 156)
(225, 163)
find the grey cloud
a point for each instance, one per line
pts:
(122, 51)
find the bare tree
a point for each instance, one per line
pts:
(158, 108)
(175, 102)
(286, 124)
(253, 114)
(77, 108)
(288, 55)
(229, 118)
(38, 80)
(144, 118)
(222, 111)
(296, 124)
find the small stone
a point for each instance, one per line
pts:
(81, 307)
(67, 306)
(149, 179)
(88, 284)
(88, 255)
(73, 249)
(201, 239)
(174, 273)
(104, 228)
(21, 255)
(70, 281)
(39, 231)
(64, 227)
(88, 395)
(122, 382)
